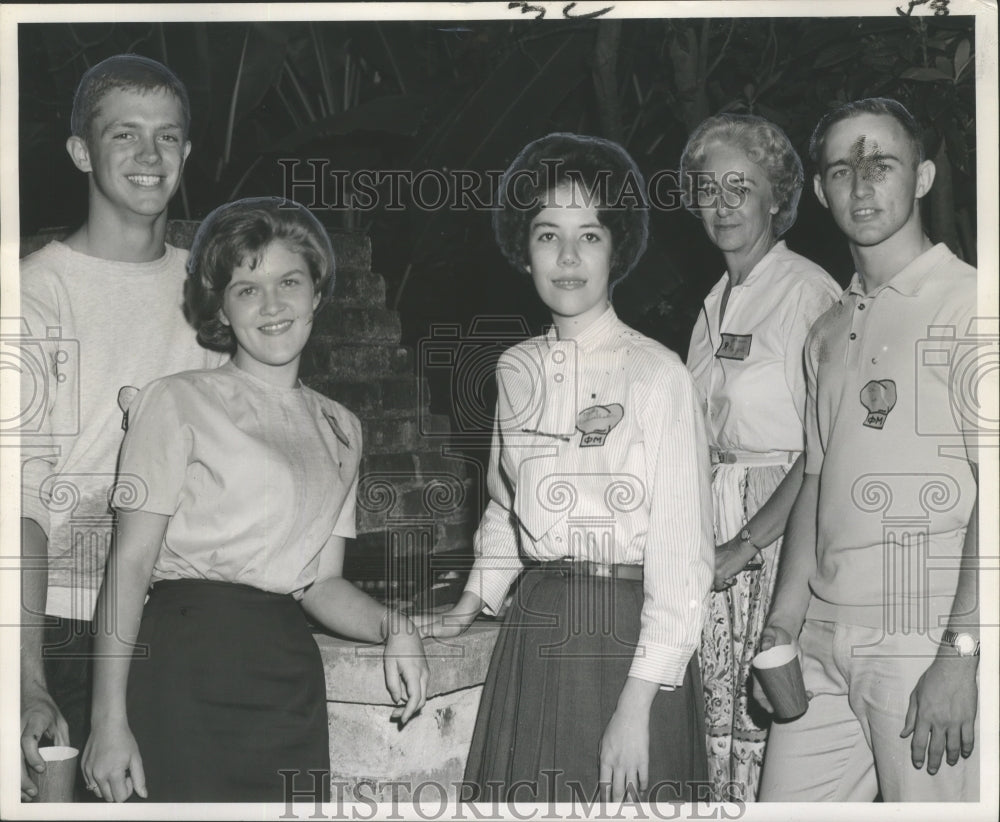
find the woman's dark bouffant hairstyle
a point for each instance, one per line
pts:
(239, 232)
(764, 144)
(603, 169)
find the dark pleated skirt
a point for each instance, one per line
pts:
(560, 663)
(226, 690)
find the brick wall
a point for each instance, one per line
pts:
(414, 500)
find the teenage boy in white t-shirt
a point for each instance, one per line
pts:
(106, 301)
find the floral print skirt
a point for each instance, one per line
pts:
(736, 726)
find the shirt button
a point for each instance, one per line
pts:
(558, 378)
(874, 360)
(861, 306)
(558, 357)
(854, 336)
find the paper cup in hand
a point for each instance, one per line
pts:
(780, 676)
(56, 783)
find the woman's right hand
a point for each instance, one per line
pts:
(112, 763)
(731, 558)
(406, 671)
(450, 623)
(442, 626)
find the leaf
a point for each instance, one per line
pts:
(957, 149)
(963, 54)
(837, 53)
(512, 105)
(526, 85)
(924, 75)
(392, 114)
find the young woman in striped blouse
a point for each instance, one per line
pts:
(600, 509)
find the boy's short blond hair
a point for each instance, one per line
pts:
(130, 72)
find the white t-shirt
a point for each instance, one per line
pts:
(94, 331)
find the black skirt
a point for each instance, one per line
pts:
(560, 663)
(226, 690)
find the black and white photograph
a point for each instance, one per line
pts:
(500, 410)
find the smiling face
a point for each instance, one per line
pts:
(134, 153)
(738, 204)
(270, 310)
(570, 259)
(870, 180)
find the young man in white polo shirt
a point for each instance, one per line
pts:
(878, 579)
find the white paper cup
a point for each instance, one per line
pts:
(780, 676)
(56, 783)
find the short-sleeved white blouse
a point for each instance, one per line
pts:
(255, 478)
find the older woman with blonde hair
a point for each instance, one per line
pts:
(743, 180)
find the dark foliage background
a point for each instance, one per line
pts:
(418, 95)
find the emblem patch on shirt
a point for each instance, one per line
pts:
(126, 394)
(734, 347)
(338, 432)
(879, 398)
(596, 422)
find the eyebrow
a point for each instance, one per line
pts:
(134, 124)
(548, 224)
(300, 271)
(869, 158)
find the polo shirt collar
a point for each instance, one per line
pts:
(911, 278)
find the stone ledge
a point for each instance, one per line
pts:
(354, 670)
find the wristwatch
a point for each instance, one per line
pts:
(965, 644)
(758, 561)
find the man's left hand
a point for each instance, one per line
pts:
(942, 712)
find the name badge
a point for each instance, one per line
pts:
(596, 422)
(734, 347)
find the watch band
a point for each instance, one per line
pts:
(965, 644)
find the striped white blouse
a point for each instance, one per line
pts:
(599, 453)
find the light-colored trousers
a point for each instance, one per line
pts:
(846, 746)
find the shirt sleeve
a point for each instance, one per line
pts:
(40, 395)
(678, 566)
(346, 525)
(497, 561)
(972, 372)
(699, 346)
(813, 300)
(814, 443)
(154, 455)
